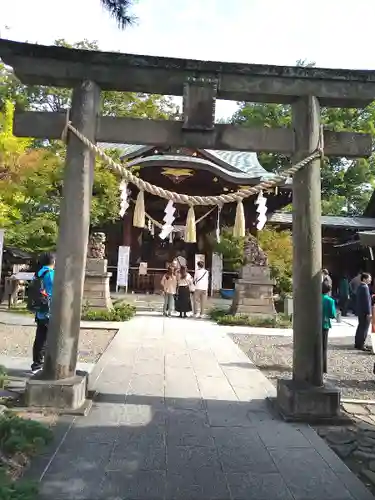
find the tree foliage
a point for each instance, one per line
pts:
(31, 172)
(276, 244)
(119, 10)
(347, 184)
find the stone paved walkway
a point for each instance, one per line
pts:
(181, 414)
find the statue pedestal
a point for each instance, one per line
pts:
(253, 294)
(96, 289)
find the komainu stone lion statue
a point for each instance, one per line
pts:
(253, 254)
(96, 246)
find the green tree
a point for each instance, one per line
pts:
(31, 190)
(346, 184)
(119, 10)
(277, 245)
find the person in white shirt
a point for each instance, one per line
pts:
(200, 289)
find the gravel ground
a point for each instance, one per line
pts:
(348, 369)
(17, 341)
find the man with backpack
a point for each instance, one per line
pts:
(39, 302)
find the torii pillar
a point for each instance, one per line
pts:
(59, 385)
(305, 397)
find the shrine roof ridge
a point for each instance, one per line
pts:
(64, 67)
(236, 166)
(337, 221)
(181, 161)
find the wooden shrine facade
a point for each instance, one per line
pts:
(342, 253)
(185, 170)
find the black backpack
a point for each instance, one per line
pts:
(37, 298)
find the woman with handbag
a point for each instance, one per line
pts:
(185, 287)
(169, 286)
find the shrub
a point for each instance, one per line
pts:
(222, 317)
(216, 313)
(17, 490)
(19, 440)
(120, 312)
(3, 376)
(18, 435)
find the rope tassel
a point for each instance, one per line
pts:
(139, 218)
(190, 228)
(239, 223)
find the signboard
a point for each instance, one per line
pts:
(142, 268)
(199, 257)
(123, 267)
(216, 272)
(23, 276)
(1, 248)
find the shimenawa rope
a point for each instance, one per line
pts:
(195, 200)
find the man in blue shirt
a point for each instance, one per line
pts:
(46, 273)
(363, 311)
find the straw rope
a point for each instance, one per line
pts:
(188, 199)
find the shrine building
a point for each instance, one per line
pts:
(193, 172)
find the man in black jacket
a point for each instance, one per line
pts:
(363, 310)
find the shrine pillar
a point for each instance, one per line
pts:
(127, 229)
(60, 386)
(305, 396)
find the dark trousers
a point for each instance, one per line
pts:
(344, 305)
(362, 331)
(40, 341)
(325, 345)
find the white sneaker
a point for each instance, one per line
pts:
(197, 316)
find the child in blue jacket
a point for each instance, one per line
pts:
(328, 313)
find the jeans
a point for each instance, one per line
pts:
(168, 303)
(40, 342)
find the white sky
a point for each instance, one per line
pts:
(332, 33)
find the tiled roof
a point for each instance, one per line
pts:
(199, 161)
(244, 161)
(328, 220)
(241, 164)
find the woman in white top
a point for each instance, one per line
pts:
(169, 286)
(184, 290)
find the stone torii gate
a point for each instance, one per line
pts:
(200, 83)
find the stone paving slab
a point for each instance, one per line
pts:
(181, 413)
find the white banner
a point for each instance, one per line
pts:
(216, 272)
(1, 249)
(123, 266)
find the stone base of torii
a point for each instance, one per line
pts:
(200, 83)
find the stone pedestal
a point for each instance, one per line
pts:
(307, 403)
(65, 394)
(253, 293)
(96, 288)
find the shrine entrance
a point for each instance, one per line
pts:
(200, 83)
